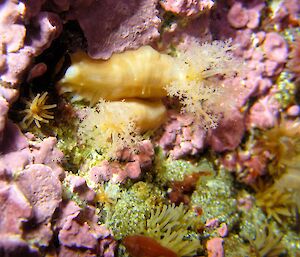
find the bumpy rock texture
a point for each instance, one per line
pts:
(21, 44)
(187, 7)
(120, 25)
(31, 195)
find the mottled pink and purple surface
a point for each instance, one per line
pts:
(34, 212)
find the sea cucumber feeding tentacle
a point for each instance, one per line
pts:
(141, 73)
(112, 126)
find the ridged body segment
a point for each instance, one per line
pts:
(142, 73)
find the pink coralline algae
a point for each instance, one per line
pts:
(248, 164)
(265, 54)
(23, 37)
(214, 247)
(78, 185)
(80, 233)
(187, 7)
(115, 26)
(129, 165)
(19, 46)
(181, 137)
(30, 190)
(275, 47)
(264, 113)
(12, 199)
(228, 134)
(31, 199)
(31, 195)
(287, 13)
(42, 188)
(241, 16)
(19, 151)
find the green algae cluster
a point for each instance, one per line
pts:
(169, 170)
(216, 197)
(132, 209)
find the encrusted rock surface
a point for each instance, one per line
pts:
(117, 26)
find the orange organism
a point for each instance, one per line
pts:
(143, 246)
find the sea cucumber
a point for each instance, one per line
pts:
(142, 73)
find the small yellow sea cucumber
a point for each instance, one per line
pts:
(142, 73)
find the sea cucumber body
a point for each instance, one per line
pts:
(142, 73)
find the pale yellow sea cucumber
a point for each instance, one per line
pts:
(135, 81)
(142, 73)
(147, 74)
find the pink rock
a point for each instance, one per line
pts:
(228, 134)
(65, 251)
(76, 234)
(198, 138)
(10, 94)
(15, 152)
(238, 16)
(107, 247)
(42, 189)
(17, 21)
(3, 113)
(124, 25)
(272, 68)
(293, 111)
(275, 47)
(293, 10)
(133, 170)
(185, 148)
(181, 136)
(243, 39)
(78, 230)
(78, 185)
(13, 140)
(263, 86)
(257, 55)
(212, 223)
(47, 153)
(14, 210)
(144, 155)
(261, 35)
(264, 113)
(187, 133)
(10, 245)
(186, 7)
(134, 162)
(40, 235)
(214, 247)
(100, 173)
(68, 210)
(223, 230)
(13, 162)
(254, 19)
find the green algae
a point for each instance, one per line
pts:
(217, 199)
(169, 170)
(132, 209)
(286, 89)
